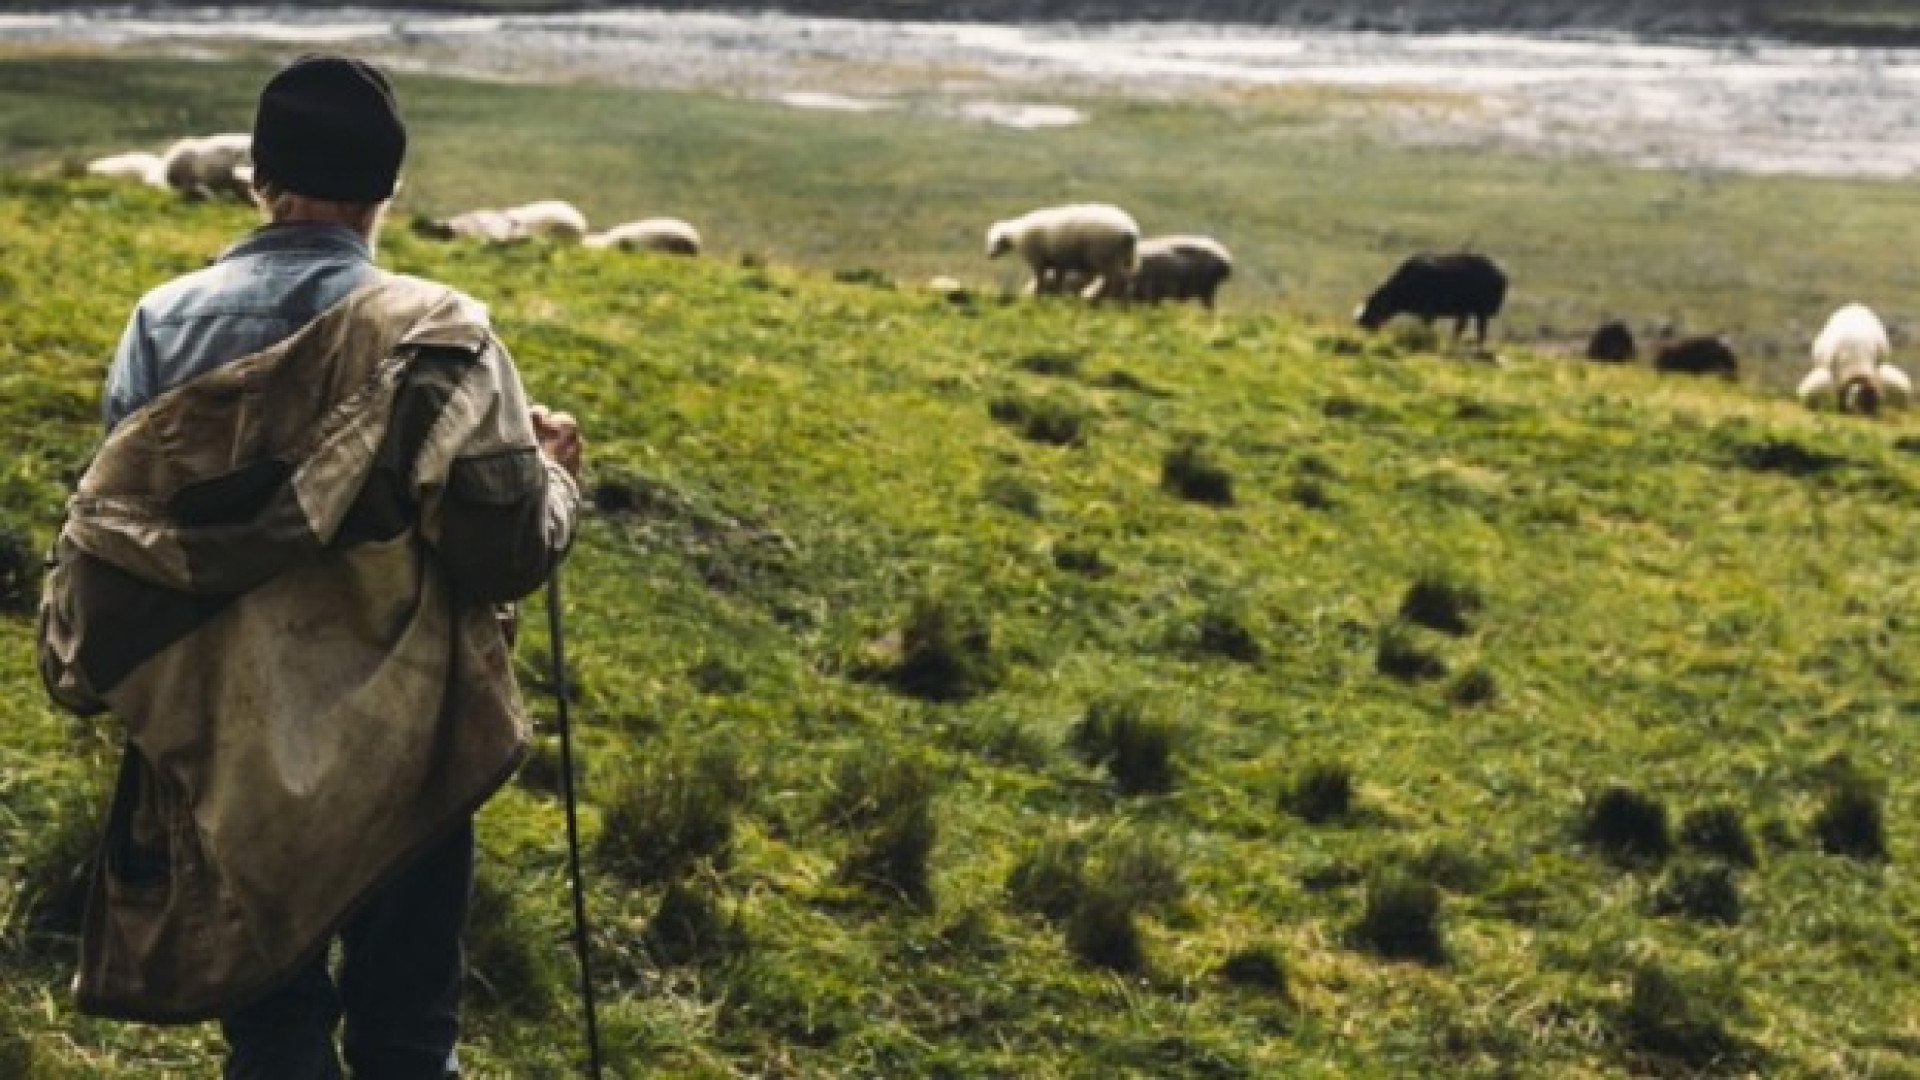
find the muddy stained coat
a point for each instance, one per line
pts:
(252, 579)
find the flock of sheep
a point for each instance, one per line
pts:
(1095, 251)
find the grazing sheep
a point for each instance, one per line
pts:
(1461, 286)
(1083, 238)
(668, 235)
(550, 219)
(207, 166)
(1177, 268)
(1850, 365)
(1697, 356)
(492, 226)
(1612, 343)
(140, 165)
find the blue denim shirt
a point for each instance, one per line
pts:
(255, 295)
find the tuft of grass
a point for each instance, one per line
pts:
(1680, 1021)
(1136, 750)
(1049, 879)
(1256, 967)
(1082, 559)
(1707, 892)
(870, 276)
(1222, 631)
(1627, 826)
(16, 1048)
(1103, 930)
(945, 652)
(1440, 600)
(888, 802)
(19, 571)
(1473, 687)
(1010, 492)
(508, 969)
(1851, 821)
(690, 927)
(673, 809)
(1059, 365)
(1719, 830)
(1191, 473)
(1047, 421)
(1399, 654)
(54, 874)
(1320, 793)
(1401, 920)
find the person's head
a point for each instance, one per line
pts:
(328, 143)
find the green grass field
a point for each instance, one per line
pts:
(1024, 689)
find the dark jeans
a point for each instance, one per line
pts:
(399, 986)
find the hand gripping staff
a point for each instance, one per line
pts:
(556, 646)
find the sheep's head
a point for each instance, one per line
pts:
(999, 239)
(1860, 395)
(432, 229)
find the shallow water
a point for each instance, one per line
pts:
(1746, 107)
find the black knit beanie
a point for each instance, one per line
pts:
(328, 128)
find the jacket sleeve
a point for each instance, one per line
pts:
(498, 513)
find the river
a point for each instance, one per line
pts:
(1773, 108)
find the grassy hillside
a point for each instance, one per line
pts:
(1026, 690)
(1312, 189)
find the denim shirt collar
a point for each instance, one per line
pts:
(306, 238)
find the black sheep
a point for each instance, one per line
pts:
(1611, 343)
(1459, 286)
(1697, 356)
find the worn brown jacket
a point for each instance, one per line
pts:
(280, 578)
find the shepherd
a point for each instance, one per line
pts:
(282, 575)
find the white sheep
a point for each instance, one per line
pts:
(208, 165)
(140, 165)
(1177, 268)
(492, 226)
(549, 219)
(1093, 239)
(1851, 366)
(669, 235)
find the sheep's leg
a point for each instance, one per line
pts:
(1096, 289)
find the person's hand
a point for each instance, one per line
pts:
(559, 437)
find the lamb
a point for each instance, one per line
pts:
(550, 219)
(1612, 343)
(206, 166)
(1850, 365)
(1697, 355)
(668, 235)
(1462, 286)
(140, 165)
(1095, 239)
(1177, 268)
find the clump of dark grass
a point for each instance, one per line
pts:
(1312, 492)
(945, 652)
(1450, 865)
(1010, 492)
(19, 571)
(1473, 687)
(508, 969)
(690, 927)
(715, 674)
(1136, 750)
(1401, 920)
(1679, 1021)
(1440, 600)
(675, 808)
(1120, 379)
(1103, 930)
(1255, 967)
(1851, 820)
(1773, 454)
(1719, 830)
(1627, 826)
(1041, 420)
(1059, 365)
(1142, 868)
(1320, 793)
(1222, 631)
(872, 277)
(1190, 472)
(16, 1048)
(55, 873)
(1081, 559)
(887, 800)
(1398, 654)
(1706, 891)
(1049, 878)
